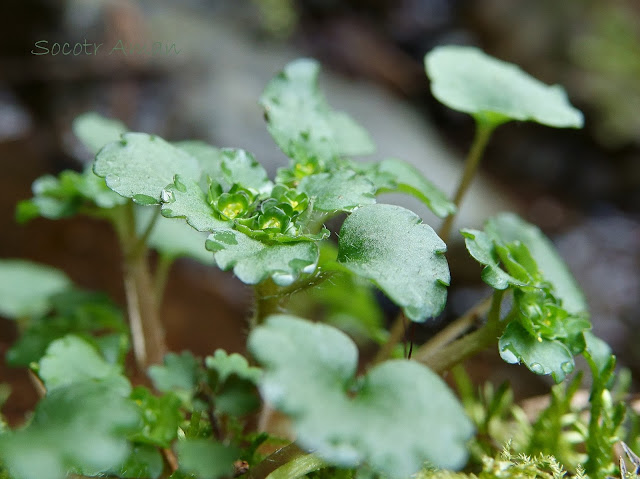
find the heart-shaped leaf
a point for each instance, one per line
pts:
(253, 261)
(340, 191)
(542, 356)
(396, 417)
(25, 287)
(140, 166)
(396, 175)
(468, 80)
(301, 122)
(404, 257)
(95, 131)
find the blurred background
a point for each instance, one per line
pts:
(195, 69)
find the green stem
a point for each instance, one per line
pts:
(276, 460)
(396, 335)
(147, 332)
(457, 351)
(268, 300)
(298, 467)
(484, 130)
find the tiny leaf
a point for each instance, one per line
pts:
(468, 80)
(161, 417)
(142, 164)
(396, 417)
(301, 122)
(25, 287)
(541, 356)
(339, 191)
(227, 364)
(144, 461)
(239, 166)
(253, 261)
(184, 198)
(508, 227)
(179, 372)
(404, 257)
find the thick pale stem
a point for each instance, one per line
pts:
(453, 331)
(482, 135)
(267, 301)
(396, 335)
(147, 331)
(161, 276)
(457, 351)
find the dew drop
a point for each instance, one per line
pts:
(567, 366)
(537, 368)
(167, 196)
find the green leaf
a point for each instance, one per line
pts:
(82, 313)
(81, 427)
(493, 91)
(599, 351)
(66, 195)
(206, 459)
(483, 250)
(184, 198)
(95, 131)
(396, 417)
(179, 372)
(209, 157)
(404, 257)
(541, 356)
(26, 287)
(144, 461)
(508, 227)
(239, 166)
(161, 417)
(140, 166)
(225, 365)
(71, 360)
(338, 191)
(172, 237)
(253, 261)
(396, 175)
(301, 122)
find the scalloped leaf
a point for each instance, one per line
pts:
(253, 261)
(467, 79)
(179, 372)
(302, 123)
(26, 287)
(173, 238)
(239, 166)
(338, 191)
(140, 166)
(95, 130)
(482, 249)
(393, 175)
(225, 365)
(58, 438)
(206, 459)
(71, 360)
(184, 198)
(541, 356)
(404, 257)
(508, 227)
(380, 419)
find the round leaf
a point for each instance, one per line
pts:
(468, 80)
(25, 287)
(395, 418)
(404, 257)
(140, 166)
